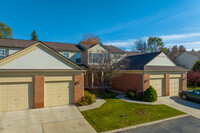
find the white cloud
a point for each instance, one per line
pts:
(189, 40)
(188, 45)
(179, 36)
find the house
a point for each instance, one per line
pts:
(35, 74)
(188, 59)
(154, 69)
(38, 74)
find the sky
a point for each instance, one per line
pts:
(116, 22)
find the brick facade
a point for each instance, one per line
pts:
(167, 84)
(78, 87)
(184, 81)
(125, 82)
(39, 91)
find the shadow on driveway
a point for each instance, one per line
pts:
(191, 104)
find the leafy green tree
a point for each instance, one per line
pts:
(155, 44)
(5, 31)
(34, 36)
(196, 66)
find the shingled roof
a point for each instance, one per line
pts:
(26, 43)
(54, 45)
(194, 53)
(138, 62)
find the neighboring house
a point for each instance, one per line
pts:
(154, 69)
(37, 74)
(188, 59)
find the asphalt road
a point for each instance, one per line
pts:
(188, 124)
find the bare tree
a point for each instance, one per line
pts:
(141, 46)
(107, 66)
(176, 51)
(90, 38)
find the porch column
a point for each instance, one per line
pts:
(92, 79)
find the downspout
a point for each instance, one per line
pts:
(143, 83)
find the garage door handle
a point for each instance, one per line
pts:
(58, 96)
(16, 99)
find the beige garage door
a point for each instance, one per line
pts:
(58, 93)
(157, 84)
(174, 86)
(16, 96)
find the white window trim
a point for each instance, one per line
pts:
(64, 55)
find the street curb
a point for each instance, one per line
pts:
(145, 124)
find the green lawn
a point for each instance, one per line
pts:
(108, 116)
(193, 88)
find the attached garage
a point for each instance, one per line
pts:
(156, 70)
(16, 93)
(38, 77)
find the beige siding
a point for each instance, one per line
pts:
(161, 60)
(13, 50)
(97, 49)
(186, 60)
(40, 58)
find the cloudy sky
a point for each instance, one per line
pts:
(116, 22)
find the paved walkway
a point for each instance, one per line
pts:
(122, 97)
(62, 119)
(98, 102)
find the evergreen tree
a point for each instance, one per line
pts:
(34, 36)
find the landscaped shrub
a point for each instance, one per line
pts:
(150, 94)
(131, 94)
(88, 98)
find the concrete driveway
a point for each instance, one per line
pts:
(63, 119)
(189, 107)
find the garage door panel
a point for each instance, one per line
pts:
(16, 96)
(174, 86)
(157, 84)
(57, 93)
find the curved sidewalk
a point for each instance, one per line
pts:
(98, 102)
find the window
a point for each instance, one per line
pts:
(66, 54)
(118, 56)
(78, 58)
(95, 56)
(98, 58)
(2, 53)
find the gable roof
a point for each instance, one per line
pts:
(112, 49)
(26, 43)
(31, 48)
(139, 62)
(194, 53)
